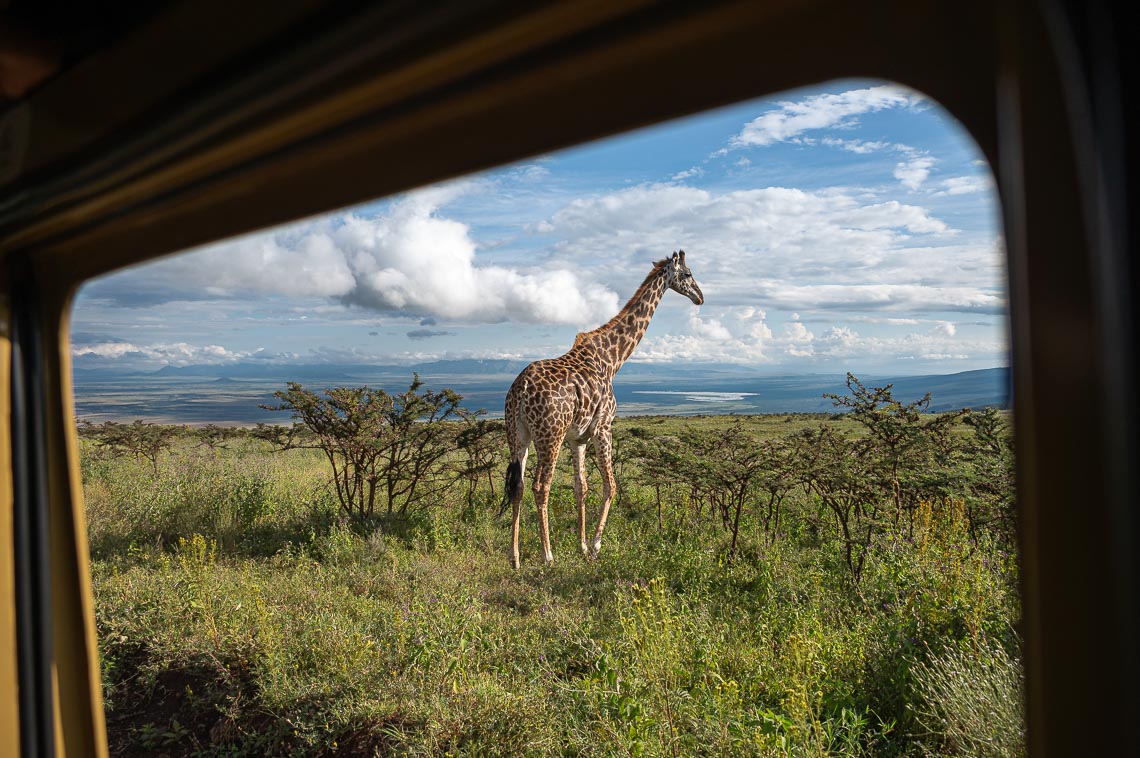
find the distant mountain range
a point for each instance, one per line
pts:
(232, 393)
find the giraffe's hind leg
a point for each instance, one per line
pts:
(543, 477)
(603, 450)
(516, 495)
(578, 453)
(518, 440)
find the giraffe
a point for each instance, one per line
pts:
(572, 397)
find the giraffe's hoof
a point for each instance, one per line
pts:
(515, 563)
(585, 550)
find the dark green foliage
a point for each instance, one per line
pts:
(908, 447)
(483, 445)
(140, 439)
(730, 469)
(216, 437)
(659, 464)
(987, 464)
(375, 443)
(904, 457)
(837, 472)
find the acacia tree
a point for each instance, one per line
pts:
(624, 453)
(215, 437)
(284, 436)
(777, 479)
(907, 444)
(482, 442)
(727, 469)
(989, 454)
(376, 443)
(839, 472)
(416, 443)
(346, 424)
(140, 439)
(659, 462)
(729, 464)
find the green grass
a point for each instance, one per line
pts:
(239, 615)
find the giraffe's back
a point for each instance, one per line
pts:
(558, 397)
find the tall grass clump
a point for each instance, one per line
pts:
(247, 499)
(970, 702)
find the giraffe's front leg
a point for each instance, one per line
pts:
(578, 452)
(603, 449)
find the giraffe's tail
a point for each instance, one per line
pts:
(514, 488)
(513, 491)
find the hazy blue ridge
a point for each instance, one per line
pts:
(232, 393)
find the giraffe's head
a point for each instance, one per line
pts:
(680, 278)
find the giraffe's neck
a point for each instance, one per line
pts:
(612, 343)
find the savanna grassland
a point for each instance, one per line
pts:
(768, 585)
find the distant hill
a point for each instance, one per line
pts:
(804, 393)
(232, 393)
(251, 370)
(968, 389)
(468, 367)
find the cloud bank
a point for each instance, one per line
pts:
(743, 336)
(165, 354)
(409, 260)
(773, 247)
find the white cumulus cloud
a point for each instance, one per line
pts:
(890, 297)
(410, 259)
(744, 337)
(791, 118)
(165, 354)
(857, 146)
(709, 329)
(787, 248)
(965, 185)
(914, 171)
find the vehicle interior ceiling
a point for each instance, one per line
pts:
(133, 130)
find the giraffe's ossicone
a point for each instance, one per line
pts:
(571, 398)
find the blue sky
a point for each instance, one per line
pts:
(848, 226)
